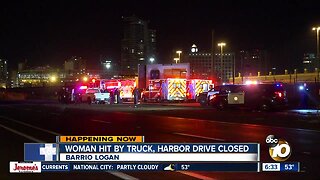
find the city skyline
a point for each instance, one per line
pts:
(50, 32)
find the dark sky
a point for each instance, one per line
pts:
(48, 32)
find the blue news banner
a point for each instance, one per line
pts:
(159, 148)
(240, 157)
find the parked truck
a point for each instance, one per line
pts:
(95, 95)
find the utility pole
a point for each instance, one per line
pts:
(212, 53)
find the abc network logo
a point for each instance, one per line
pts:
(279, 149)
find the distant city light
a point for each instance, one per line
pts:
(151, 59)
(53, 78)
(85, 78)
(248, 82)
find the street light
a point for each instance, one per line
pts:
(176, 59)
(222, 44)
(151, 59)
(179, 53)
(317, 29)
(108, 64)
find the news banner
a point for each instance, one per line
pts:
(131, 153)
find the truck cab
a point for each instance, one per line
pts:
(152, 93)
(95, 95)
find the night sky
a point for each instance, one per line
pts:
(48, 32)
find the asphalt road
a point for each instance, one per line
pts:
(22, 122)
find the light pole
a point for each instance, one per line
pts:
(179, 54)
(222, 44)
(234, 69)
(176, 59)
(317, 29)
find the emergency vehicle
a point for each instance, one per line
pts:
(256, 96)
(125, 86)
(171, 89)
(152, 92)
(197, 86)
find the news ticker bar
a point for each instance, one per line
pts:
(38, 167)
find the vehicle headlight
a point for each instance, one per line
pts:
(211, 97)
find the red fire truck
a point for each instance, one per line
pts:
(174, 89)
(170, 89)
(197, 86)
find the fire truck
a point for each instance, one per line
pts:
(152, 92)
(197, 86)
(171, 89)
(125, 86)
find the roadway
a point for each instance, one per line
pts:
(22, 122)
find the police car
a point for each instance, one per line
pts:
(257, 96)
(205, 97)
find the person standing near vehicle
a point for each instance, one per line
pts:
(117, 95)
(111, 99)
(135, 96)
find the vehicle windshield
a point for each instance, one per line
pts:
(230, 89)
(154, 87)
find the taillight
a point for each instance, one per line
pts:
(278, 94)
(158, 94)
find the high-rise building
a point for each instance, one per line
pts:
(224, 72)
(201, 65)
(138, 45)
(3, 73)
(252, 62)
(310, 62)
(75, 66)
